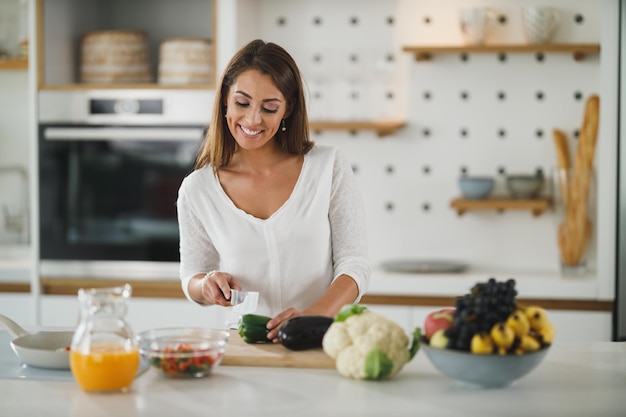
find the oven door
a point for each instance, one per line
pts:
(108, 193)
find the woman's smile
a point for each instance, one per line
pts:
(250, 132)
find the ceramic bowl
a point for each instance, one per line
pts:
(488, 371)
(476, 188)
(183, 352)
(524, 186)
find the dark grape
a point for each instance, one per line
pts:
(486, 304)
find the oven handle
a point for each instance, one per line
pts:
(121, 133)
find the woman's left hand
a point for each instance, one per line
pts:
(276, 323)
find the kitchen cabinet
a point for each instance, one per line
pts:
(403, 315)
(161, 303)
(147, 313)
(17, 306)
(578, 51)
(61, 24)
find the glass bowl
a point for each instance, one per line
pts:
(488, 371)
(183, 352)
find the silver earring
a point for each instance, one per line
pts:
(283, 127)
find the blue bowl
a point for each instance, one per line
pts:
(487, 371)
(476, 188)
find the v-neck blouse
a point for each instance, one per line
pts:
(228, 201)
(292, 257)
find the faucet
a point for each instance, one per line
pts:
(17, 222)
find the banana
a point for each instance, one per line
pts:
(537, 317)
(481, 344)
(527, 344)
(546, 333)
(503, 337)
(519, 323)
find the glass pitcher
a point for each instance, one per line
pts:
(104, 355)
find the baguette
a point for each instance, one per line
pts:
(577, 226)
(563, 164)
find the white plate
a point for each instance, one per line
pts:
(424, 266)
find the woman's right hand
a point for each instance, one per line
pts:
(216, 286)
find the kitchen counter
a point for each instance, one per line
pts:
(575, 379)
(551, 289)
(16, 264)
(533, 284)
(580, 292)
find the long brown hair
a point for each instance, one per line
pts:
(270, 59)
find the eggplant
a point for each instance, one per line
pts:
(304, 332)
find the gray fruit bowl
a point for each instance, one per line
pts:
(487, 371)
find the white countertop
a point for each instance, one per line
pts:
(575, 379)
(529, 284)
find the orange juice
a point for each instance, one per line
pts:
(105, 367)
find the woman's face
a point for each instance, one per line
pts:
(255, 108)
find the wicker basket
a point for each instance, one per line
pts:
(115, 56)
(186, 61)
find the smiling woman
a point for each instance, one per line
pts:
(266, 209)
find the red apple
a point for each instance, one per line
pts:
(440, 319)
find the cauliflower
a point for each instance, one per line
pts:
(366, 345)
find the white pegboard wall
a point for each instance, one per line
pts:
(483, 114)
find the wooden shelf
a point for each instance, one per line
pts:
(382, 128)
(129, 86)
(13, 64)
(536, 206)
(578, 50)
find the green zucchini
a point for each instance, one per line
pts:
(253, 328)
(304, 332)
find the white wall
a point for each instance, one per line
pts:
(409, 179)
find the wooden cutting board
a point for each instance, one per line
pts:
(240, 353)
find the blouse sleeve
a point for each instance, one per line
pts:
(348, 226)
(197, 252)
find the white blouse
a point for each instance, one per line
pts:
(293, 256)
